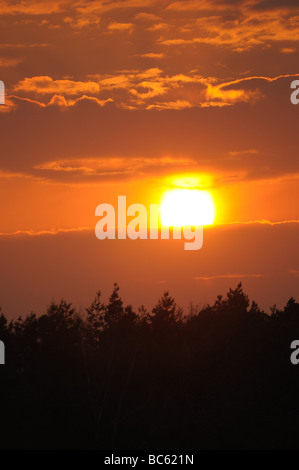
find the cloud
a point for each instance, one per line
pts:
(239, 24)
(226, 276)
(258, 77)
(148, 89)
(192, 5)
(57, 231)
(144, 16)
(233, 5)
(178, 105)
(266, 222)
(120, 27)
(11, 45)
(219, 96)
(264, 5)
(288, 50)
(10, 62)
(110, 82)
(95, 169)
(45, 85)
(32, 7)
(9, 106)
(62, 102)
(56, 101)
(239, 28)
(152, 55)
(240, 153)
(36, 233)
(85, 8)
(92, 7)
(82, 21)
(158, 27)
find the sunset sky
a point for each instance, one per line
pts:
(135, 98)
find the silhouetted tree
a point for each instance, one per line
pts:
(114, 310)
(96, 317)
(166, 313)
(235, 302)
(220, 376)
(143, 315)
(291, 310)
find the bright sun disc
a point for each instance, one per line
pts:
(182, 207)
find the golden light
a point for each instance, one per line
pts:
(191, 181)
(180, 207)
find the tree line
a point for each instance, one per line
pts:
(214, 377)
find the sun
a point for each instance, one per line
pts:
(181, 207)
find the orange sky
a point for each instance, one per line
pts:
(131, 97)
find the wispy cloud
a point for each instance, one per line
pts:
(238, 26)
(37, 233)
(120, 27)
(144, 16)
(32, 7)
(265, 222)
(227, 276)
(93, 169)
(153, 55)
(288, 50)
(91, 7)
(10, 62)
(45, 85)
(81, 22)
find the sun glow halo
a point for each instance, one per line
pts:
(180, 207)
